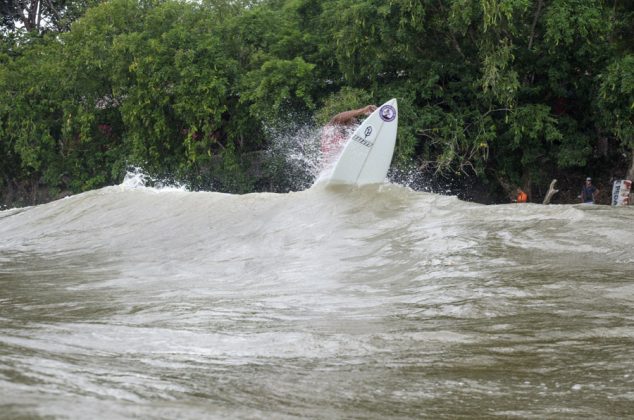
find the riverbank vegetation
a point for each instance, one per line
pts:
(494, 94)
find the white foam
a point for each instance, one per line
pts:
(136, 178)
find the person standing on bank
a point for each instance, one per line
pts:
(588, 192)
(521, 196)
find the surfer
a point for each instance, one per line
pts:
(337, 130)
(588, 192)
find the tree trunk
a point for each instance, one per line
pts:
(551, 191)
(509, 190)
(30, 15)
(630, 176)
(526, 184)
(540, 4)
(630, 172)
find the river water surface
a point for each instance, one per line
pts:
(377, 302)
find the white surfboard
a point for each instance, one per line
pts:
(621, 192)
(367, 154)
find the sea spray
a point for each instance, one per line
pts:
(299, 160)
(294, 161)
(410, 177)
(136, 178)
(294, 156)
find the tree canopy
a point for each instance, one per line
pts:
(505, 92)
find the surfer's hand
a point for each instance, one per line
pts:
(369, 109)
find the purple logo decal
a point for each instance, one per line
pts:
(387, 113)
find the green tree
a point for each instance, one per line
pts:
(506, 91)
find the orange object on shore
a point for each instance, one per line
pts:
(522, 197)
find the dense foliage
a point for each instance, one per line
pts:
(508, 92)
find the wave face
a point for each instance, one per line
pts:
(327, 303)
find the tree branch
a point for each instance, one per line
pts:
(540, 4)
(55, 12)
(551, 191)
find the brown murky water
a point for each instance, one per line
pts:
(351, 303)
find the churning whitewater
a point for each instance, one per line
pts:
(327, 303)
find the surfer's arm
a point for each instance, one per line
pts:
(347, 117)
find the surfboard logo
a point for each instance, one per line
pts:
(387, 113)
(368, 131)
(363, 141)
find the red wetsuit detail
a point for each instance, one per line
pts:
(333, 139)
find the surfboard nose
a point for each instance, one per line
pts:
(392, 102)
